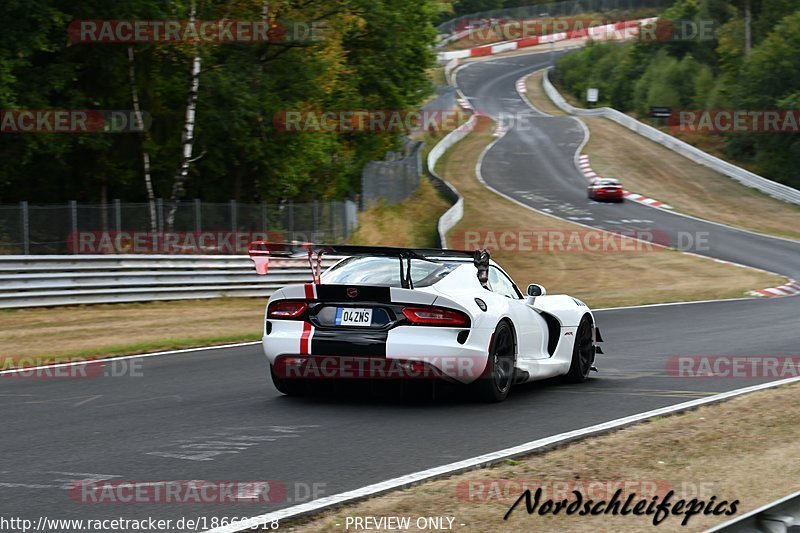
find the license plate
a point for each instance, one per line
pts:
(346, 316)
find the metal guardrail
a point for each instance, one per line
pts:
(51, 280)
(745, 177)
(780, 516)
(450, 217)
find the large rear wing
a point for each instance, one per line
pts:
(262, 251)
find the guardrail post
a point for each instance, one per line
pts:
(332, 216)
(160, 214)
(198, 216)
(291, 220)
(23, 212)
(233, 216)
(73, 216)
(118, 215)
(314, 218)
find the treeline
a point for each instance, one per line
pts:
(745, 63)
(320, 55)
(449, 9)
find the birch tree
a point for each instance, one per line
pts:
(137, 111)
(187, 138)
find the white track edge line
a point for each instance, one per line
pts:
(492, 458)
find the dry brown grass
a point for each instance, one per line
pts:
(650, 169)
(48, 334)
(537, 96)
(410, 224)
(742, 449)
(601, 279)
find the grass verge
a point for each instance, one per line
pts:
(736, 450)
(648, 168)
(537, 96)
(602, 279)
(411, 223)
(43, 335)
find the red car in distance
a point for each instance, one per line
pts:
(606, 189)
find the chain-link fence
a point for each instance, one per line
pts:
(553, 9)
(394, 179)
(199, 227)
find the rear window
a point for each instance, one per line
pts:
(385, 271)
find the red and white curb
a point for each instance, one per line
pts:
(521, 87)
(586, 168)
(617, 31)
(790, 289)
(591, 175)
(464, 103)
(644, 200)
(500, 130)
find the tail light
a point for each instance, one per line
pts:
(435, 316)
(287, 310)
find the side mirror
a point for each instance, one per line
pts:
(536, 290)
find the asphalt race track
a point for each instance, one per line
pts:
(214, 415)
(534, 164)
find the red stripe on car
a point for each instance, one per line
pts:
(305, 339)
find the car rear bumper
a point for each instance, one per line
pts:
(404, 352)
(609, 195)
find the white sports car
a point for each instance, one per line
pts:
(420, 313)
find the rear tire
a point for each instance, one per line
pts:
(496, 380)
(289, 387)
(582, 353)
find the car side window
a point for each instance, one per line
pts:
(500, 284)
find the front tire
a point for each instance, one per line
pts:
(495, 383)
(582, 353)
